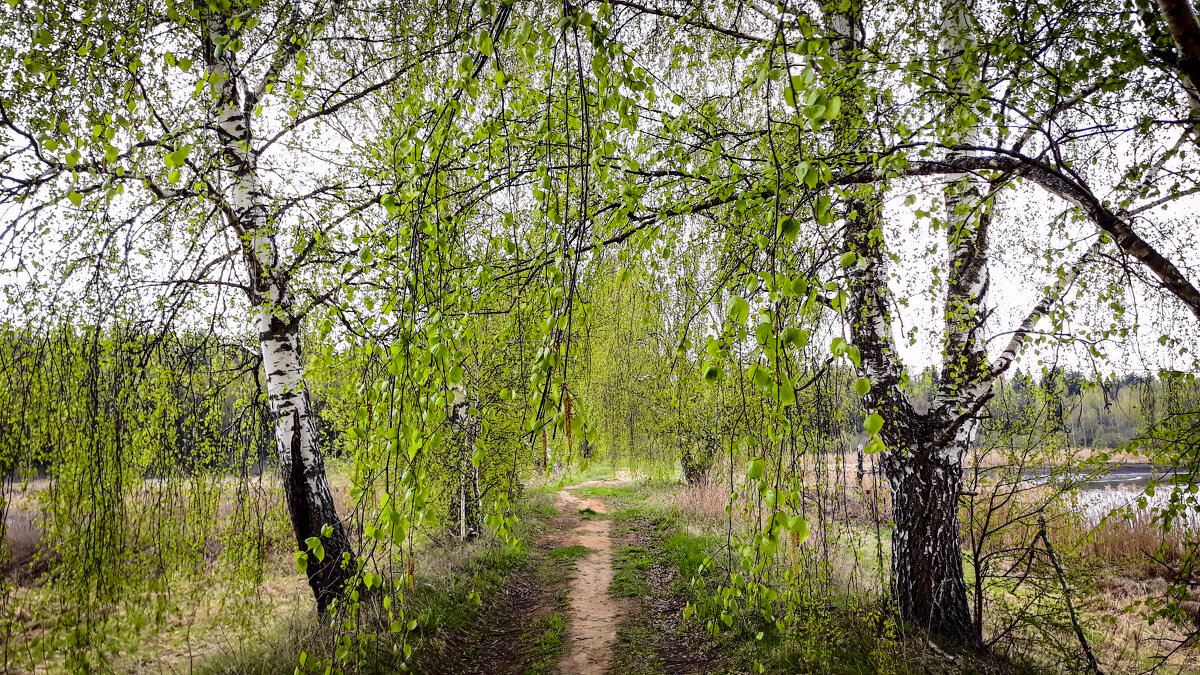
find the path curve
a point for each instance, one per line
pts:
(594, 614)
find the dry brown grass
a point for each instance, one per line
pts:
(702, 503)
(1139, 546)
(1115, 564)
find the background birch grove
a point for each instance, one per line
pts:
(354, 335)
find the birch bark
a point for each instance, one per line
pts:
(466, 507)
(922, 462)
(302, 466)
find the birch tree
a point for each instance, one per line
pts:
(975, 121)
(210, 124)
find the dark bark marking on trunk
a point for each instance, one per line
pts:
(927, 572)
(309, 514)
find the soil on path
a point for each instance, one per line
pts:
(594, 614)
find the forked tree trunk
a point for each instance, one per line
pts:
(923, 459)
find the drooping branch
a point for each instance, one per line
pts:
(1060, 185)
(697, 22)
(985, 159)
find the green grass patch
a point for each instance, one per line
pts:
(570, 552)
(582, 473)
(633, 492)
(635, 653)
(627, 516)
(630, 564)
(548, 636)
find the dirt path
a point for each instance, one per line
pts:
(594, 614)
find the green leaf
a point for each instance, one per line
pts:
(761, 376)
(763, 332)
(795, 336)
(712, 373)
(848, 259)
(854, 355)
(768, 547)
(873, 424)
(75, 197)
(862, 385)
(787, 393)
(737, 309)
(301, 561)
(810, 179)
(835, 106)
(755, 468)
(178, 157)
(789, 227)
(837, 346)
(314, 545)
(799, 525)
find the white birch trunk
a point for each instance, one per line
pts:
(964, 360)
(468, 510)
(306, 487)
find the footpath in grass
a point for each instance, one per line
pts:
(658, 560)
(552, 610)
(654, 563)
(599, 590)
(594, 615)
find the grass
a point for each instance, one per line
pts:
(631, 493)
(549, 638)
(636, 653)
(664, 534)
(454, 596)
(443, 608)
(580, 474)
(573, 552)
(629, 566)
(548, 634)
(840, 632)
